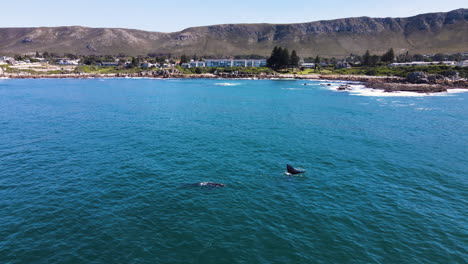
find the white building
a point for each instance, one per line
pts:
(148, 65)
(39, 59)
(194, 64)
(235, 63)
(342, 65)
(462, 63)
(423, 63)
(109, 64)
(66, 61)
(7, 60)
(308, 65)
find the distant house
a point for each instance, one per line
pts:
(7, 60)
(462, 63)
(194, 64)
(65, 61)
(308, 65)
(148, 65)
(109, 64)
(423, 63)
(226, 63)
(39, 59)
(342, 65)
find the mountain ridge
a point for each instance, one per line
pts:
(425, 33)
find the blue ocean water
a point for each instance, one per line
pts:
(100, 171)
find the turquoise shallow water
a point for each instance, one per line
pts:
(98, 171)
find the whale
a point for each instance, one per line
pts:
(293, 171)
(209, 184)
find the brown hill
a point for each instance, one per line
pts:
(427, 33)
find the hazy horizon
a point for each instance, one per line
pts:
(168, 17)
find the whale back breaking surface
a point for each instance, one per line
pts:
(292, 170)
(209, 184)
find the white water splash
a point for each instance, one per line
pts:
(362, 90)
(227, 84)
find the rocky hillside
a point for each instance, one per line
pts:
(427, 33)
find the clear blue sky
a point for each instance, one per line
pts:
(174, 15)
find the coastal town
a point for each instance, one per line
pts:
(390, 72)
(46, 62)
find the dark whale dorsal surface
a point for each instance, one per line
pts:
(209, 184)
(292, 170)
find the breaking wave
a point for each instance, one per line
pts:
(227, 84)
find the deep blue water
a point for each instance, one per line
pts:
(99, 171)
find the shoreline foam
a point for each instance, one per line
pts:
(367, 85)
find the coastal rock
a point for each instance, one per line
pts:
(452, 75)
(435, 78)
(424, 78)
(406, 87)
(345, 87)
(417, 77)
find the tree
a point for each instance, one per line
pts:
(184, 59)
(439, 57)
(71, 56)
(374, 60)
(284, 58)
(455, 57)
(279, 58)
(366, 59)
(418, 57)
(317, 60)
(135, 62)
(37, 54)
(273, 61)
(389, 56)
(294, 59)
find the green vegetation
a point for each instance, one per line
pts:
(8, 69)
(184, 59)
(400, 71)
(389, 56)
(294, 60)
(381, 70)
(105, 70)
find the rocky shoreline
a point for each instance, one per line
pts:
(419, 83)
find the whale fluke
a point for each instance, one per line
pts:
(209, 184)
(293, 171)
